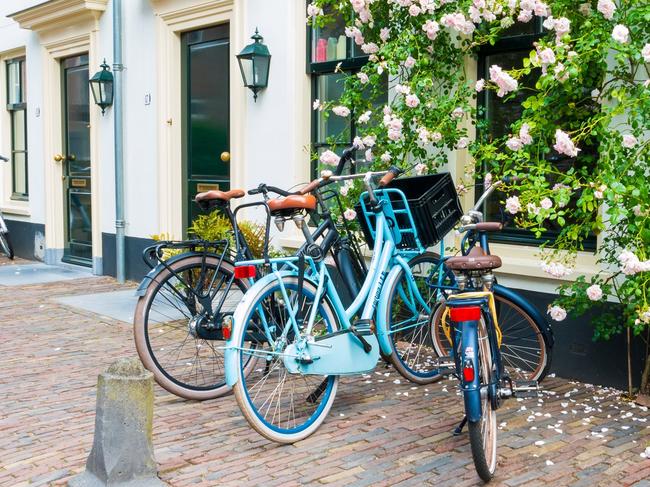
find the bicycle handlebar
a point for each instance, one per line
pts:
(264, 189)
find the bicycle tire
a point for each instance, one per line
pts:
(483, 433)
(6, 245)
(525, 350)
(313, 414)
(149, 343)
(419, 367)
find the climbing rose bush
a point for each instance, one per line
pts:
(587, 109)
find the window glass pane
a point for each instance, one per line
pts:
(23, 82)
(330, 87)
(20, 173)
(18, 130)
(329, 42)
(13, 83)
(499, 112)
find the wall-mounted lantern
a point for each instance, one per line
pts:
(101, 85)
(254, 61)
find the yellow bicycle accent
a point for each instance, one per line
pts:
(474, 295)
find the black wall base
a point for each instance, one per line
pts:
(133, 247)
(577, 356)
(27, 238)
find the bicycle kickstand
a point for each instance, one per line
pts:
(459, 428)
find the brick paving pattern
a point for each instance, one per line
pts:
(382, 431)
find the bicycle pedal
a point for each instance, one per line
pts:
(525, 388)
(445, 363)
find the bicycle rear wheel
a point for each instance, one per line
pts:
(483, 433)
(281, 406)
(5, 245)
(525, 353)
(165, 324)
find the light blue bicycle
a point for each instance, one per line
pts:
(295, 328)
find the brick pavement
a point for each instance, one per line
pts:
(381, 430)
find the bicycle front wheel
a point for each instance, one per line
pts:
(413, 300)
(282, 406)
(525, 353)
(166, 320)
(483, 433)
(5, 245)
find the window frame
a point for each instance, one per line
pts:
(12, 109)
(351, 64)
(511, 235)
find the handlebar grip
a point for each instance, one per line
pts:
(3, 158)
(310, 187)
(392, 173)
(345, 157)
(253, 192)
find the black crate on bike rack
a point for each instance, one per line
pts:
(434, 205)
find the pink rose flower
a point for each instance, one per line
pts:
(349, 214)
(480, 84)
(513, 205)
(514, 143)
(564, 144)
(341, 111)
(432, 28)
(384, 34)
(556, 269)
(607, 8)
(409, 63)
(524, 134)
(594, 292)
(313, 10)
(412, 101)
(621, 34)
(365, 117)
(420, 169)
(629, 141)
(645, 52)
(363, 77)
(558, 313)
(330, 158)
(546, 203)
(503, 80)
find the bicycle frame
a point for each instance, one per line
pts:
(368, 302)
(467, 331)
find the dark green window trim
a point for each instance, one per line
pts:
(505, 45)
(14, 107)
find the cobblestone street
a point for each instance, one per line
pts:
(381, 430)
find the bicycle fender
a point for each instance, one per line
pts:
(146, 280)
(543, 324)
(469, 351)
(231, 351)
(383, 310)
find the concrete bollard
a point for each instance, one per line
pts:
(122, 452)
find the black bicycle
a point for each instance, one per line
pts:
(5, 242)
(193, 289)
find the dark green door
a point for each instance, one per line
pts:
(76, 161)
(206, 120)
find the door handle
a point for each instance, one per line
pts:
(58, 158)
(225, 156)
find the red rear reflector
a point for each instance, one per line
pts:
(472, 313)
(468, 373)
(245, 271)
(226, 330)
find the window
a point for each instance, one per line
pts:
(329, 46)
(498, 114)
(17, 107)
